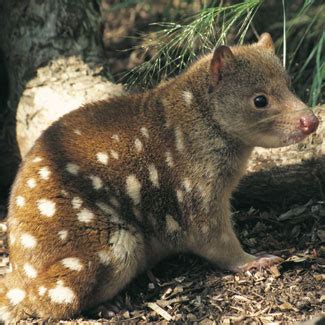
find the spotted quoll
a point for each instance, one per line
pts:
(115, 186)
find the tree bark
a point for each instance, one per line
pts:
(54, 62)
(285, 176)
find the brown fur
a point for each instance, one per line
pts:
(200, 129)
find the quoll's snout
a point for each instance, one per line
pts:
(308, 123)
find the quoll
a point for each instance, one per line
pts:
(115, 186)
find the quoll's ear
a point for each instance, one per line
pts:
(265, 41)
(221, 56)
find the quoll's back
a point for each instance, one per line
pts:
(110, 189)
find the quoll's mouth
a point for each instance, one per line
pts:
(293, 137)
(307, 125)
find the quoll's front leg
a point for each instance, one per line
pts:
(222, 248)
(260, 261)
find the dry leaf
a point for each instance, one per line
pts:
(286, 306)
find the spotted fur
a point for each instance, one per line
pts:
(115, 186)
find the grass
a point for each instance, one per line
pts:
(178, 44)
(299, 32)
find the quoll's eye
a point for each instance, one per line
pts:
(260, 101)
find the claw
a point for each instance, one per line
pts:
(261, 261)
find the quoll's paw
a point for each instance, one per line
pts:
(261, 261)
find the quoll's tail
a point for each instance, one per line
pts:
(57, 292)
(5, 308)
(11, 300)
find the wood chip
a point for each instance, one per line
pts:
(163, 313)
(286, 306)
(275, 271)
(319, 277)
(241, 298)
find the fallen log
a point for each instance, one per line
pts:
(52, 61)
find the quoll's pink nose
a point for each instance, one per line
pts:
(308, 124)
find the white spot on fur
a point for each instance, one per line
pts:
(13, 222)
(72, 168)
(30, 271)
(205, 229)
(171, 224)
(187, 185)
(5, 315)
(114, 154)
(72, 263)
(105, 208)
(180, 196)
(97, 182)
(138, 145)
(188, 96)
(77, 131)
(20, 201)
(42, 291)
(85, 215)
(61, 294)
(133, 188)
(102, 157)
(63, 234)
(137, 214)
(114, 217)
(64, 193)
(153, 175)
(12, 238)
(123, 244)
(104, 257)
(44, 173)
(179, 138)
(28, 241)
(46, 207)
(37, 159)
(169, 159)
(145, 132)
(114, 202)
(31, 183)
(115, 137)
(76, 202)
(16, 296)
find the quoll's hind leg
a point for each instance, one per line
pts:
(59, 292)
(125, 258)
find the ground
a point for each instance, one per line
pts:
(186, 288)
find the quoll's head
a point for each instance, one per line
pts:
(250, 96)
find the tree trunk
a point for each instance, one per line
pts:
(52, 62)
(285, 176)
